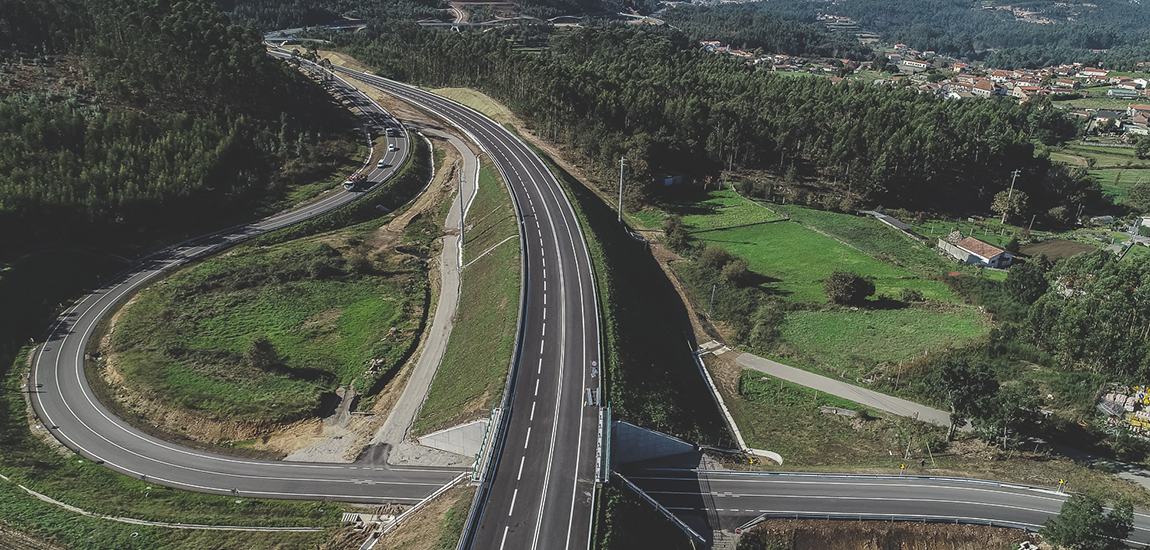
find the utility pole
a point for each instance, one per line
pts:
(622, 162)
(1015, 176)
(712, 306)
(1010, 194)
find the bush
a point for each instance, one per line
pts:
(910, 295)
(845, 287)
(737, 272)
(675, 234)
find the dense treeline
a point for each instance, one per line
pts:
(177, 118)
(273, 14)
(966, 29)
(653, 97)
(1095, 315)
(748, 27)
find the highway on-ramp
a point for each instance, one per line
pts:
(540, 495)
(708, 500)
(65, 404)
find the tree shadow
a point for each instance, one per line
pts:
(885, 303)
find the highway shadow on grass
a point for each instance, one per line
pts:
(651, 378)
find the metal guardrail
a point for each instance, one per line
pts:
(479, 470)
(663, 510)
(967, 480)
(879, 517)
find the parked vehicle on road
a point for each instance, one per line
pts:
(356, 182)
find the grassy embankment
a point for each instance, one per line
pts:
(327, 310)
(473, 373)
(624, 521)
(332, 311)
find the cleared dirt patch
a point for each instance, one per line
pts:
(1055, 249)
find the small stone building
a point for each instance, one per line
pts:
(974, 251)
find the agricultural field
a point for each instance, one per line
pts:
(792, 259)
(872, 237)
(774, 251)
(267, 333)
(1093, 102)
(1116, 169)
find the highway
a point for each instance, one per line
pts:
(722, 500)
(65, 404)
(542, 488)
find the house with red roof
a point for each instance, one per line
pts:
(975, 252)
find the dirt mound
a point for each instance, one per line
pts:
(793, 534)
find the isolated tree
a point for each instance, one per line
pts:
(1013, 409)
(1026, 282)
(969, 388)
(845, 287)
(1009, 204)
(1083, 525)
(260, 353)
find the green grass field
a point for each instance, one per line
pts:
(326, 313)
(707, 210)
(836, 340)
(871, 237)
(474, 369)
(720, 209)
(796, 260)
(1117, 182)
(1095, 103)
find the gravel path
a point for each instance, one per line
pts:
(393, 434)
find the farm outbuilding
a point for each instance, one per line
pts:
(975, 252)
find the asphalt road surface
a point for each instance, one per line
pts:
(541, 493)
(65, 404)
(718, 500)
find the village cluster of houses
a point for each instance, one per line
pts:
(1019, 83)
(780, 62)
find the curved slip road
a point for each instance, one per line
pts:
(65, 403)
(724, 500)
(541, 491)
